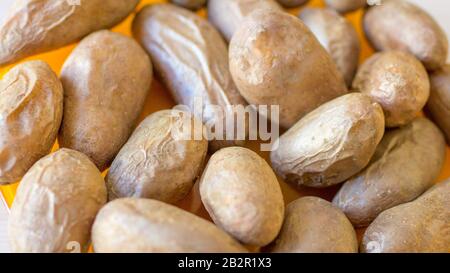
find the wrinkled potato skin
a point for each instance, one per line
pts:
(31, 103)
(344, 6)
(106, 80)
(400, 25)
(337, 36)
(53, 24)
(421, 226)
(242, 195)
(189, 4)
(158, 163)
(314, 225)
(56, 204)
(276, 60)
(331, 143)
(292, 3)
(398, 82)
(131, 225)
(405, 164)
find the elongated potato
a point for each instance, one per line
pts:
(337, 36)
(314, 225)
(106, 80)
(161, 160)
(276, 60)
(405, 164)
(331, 143)
(420, 226)
(292, 3)
(36, 26)
(242, 195)
(145, 225)
(31, 102)
(56, 204)
(344, 6)
(189, 4)
(400, 25)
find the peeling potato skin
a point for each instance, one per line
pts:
(344, 6)
(421, 226)
(56, 203)
(292, 3)
(31, 107)
(405, 164)
(132, 225)
(398, 82)
(189, 4)
(337, 36)
(106, 80)
(331, 143)
(157, 162)
(400, 25)
(242, 195)
(53, 24)
(276, 60)
(314, 225)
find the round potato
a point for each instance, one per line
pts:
(145, 225)
(56, 204)
(344, 6)
(189, 4)
(243, 196)
(106, 80)
(31, 102)
(331, 143)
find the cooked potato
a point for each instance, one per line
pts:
(344, 6)
(292, 3)
(56, 204)
(243, 196)
(31, 102)
(189, 4)
(331, 143)
(145, 225)
(405, 164)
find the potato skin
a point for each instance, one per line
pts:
(160, 160)
(130, 225)
(106, 80)
(420, 226)
(189, 4)
(56, 204)
(242, 195)
(398, 82)
(54, 24)
(344, 6)
(31, 102)
(276, 60)
(405, 164)
(292, 3)
(400, 25)
(314, 225)
(331, 143)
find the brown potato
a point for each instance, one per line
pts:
(56, 204)
(145, 225)
(405, 164)
(337, 36)
(344, 6)
(331, 143)
(292, 3)
(400, 25)
(276, 60)
(314, 225)
(398, 82)
(36, 26)
(106, 80)
(189, 4)
(243, 196)
(31, 102)
(420, 226)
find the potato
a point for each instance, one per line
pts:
(106, 80)
(331, 143)
(161, 160)
(36, 26)
(344, 6)
(56, 204)
(243, 196)
(405, 164)
(337, 36)
(314, 225)
(145, 225)
(419, 226)
(189, 4)
(228, 15)
(398, 82)
(400, 25)
(276, 60)
(292, 3)
(31, 102)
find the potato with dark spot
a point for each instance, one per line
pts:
(189, 4)
(344, 6)
(292, 3)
